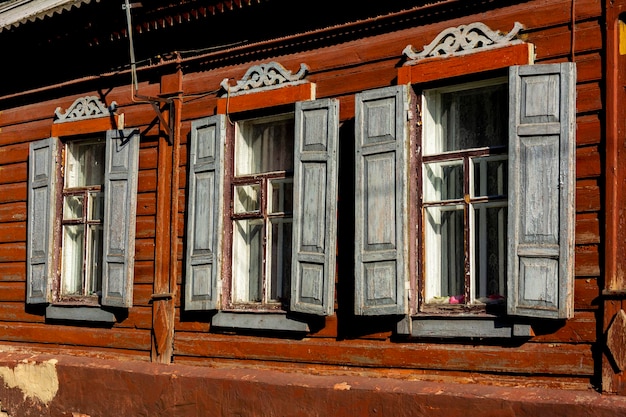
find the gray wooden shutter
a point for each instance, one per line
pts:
(42, 181)
(381, 201)
(120, 209)
(204, 212)
(315, 207)
(541, 190)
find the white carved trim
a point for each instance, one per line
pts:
(464, 39)
(264, 77)
(89, 107)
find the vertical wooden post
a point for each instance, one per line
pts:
(166, 242)
(614, 292)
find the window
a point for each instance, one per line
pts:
(261, 226)
(83, 211)
(82, 253)
(477, 209)
(262, 209)
(464, 192)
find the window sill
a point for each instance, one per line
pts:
(258, 321)
(462, 327)
(79, 313)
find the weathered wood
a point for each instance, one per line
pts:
(587, 261)
(205, 208)
(119, 338)
(13, 172)
(588, 196)
(315, 207)
(540, 254)
(382, 226)
(431, 69)
(12, 271)
(87, 126)
(587, 229)
(261, 99)
(12, 232)
(13, 192)
(559, 359)
(13, 212)
(587, 294)
(588, 162)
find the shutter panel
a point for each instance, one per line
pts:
(204, 212)
(120, 209)
(541, 190)
(42, 182)
(381, 201)
(315, 207)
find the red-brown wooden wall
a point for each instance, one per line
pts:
(558, 356)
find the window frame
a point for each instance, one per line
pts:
(44, 219)
(315, 147)
(233, 179)
(59, 297)
(431, 130)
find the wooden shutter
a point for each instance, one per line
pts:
(120, 209)
(42, 182)
(541, 190)
(204, 212)
(381, 201)
(315, 207)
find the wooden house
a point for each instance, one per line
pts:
(262, 207)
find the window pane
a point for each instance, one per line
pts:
(72, 263)
(474, 118)
(73, 207)
(84, 164)
(282, 196)
(490, 251)
(443, 181)
(280, 258)
(264, 145)
(247, 261)
(490, 176)
(445, 256)
(247, 198)
(96, 206)
(94, 264)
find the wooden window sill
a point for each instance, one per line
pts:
(258, 321)
(462, 327)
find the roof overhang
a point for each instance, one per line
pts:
(16, 12)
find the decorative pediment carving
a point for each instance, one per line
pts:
(89, 107)
(264, 77)
(464, 39)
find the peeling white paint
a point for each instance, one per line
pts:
(35, 380)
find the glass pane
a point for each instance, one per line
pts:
(73, 206)
(445, 255)
(490, 176)
(94, 264)
(282, 196)
(490, 252)
(96, 206)
(72, 263)
(443, 181)
(280, 259)
(247, 261)
(247, 198)
(474, 118)
(85, 164)
(264, 145)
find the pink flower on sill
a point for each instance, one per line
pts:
(457, 299)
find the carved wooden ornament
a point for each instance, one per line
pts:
(464, 39)
(84, 108)
(264, 77)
